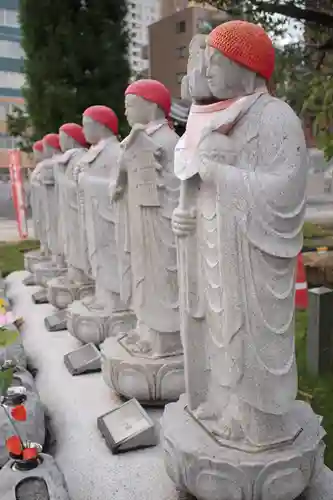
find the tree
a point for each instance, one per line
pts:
(76, 56)
(303, 75)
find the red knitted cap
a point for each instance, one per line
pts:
(52, 140)
(38, 146)
(152, 91)
(104, 116)
(74, 131)
(246, 44)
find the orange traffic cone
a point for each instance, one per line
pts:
(301, 297)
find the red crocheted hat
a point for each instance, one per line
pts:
(52, 140)
(246, 44)
(105, 116)
(38, 146)
(152, 91)
(74, 131)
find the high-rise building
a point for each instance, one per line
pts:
(11, 72)
(141, 13)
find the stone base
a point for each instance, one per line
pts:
(150, 380)
(47, 472)
(61, 292)
(45, 271)
(96, 325)
(33, 258)
(202, 467)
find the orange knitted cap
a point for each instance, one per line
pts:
(38, 146)
(246, 44)
(153, 91)
(52, 140)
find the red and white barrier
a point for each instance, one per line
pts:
(17, 192)
(301, 296)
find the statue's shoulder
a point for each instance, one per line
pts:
(278, 114)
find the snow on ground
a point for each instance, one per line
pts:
(74, 403)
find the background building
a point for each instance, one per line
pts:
(141, 13)
(11, 73)
(169, 39)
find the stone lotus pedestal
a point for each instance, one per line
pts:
(61, 292)
(150, 380)
(95, 324)
(45, 482)
(47, 270)
(32, 258)
(209, 469)
(33, 429)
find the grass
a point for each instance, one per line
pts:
(317, 391)
(315, 236)
(320, 389)
(12, 255)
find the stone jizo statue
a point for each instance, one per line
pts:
(73, 145)
(48, 212)
(239, 433)
(102, 314)
(146, 177)
(36, 256)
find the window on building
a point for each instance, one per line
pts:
(12, 50)
(181, 52)
(180, 76)
(181, 27)
(11, 80)
(9, 18)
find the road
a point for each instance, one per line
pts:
(8, 226)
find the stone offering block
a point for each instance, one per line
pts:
(40, 297)
(85, 359)
(127, 427)
(45, 482)
(319, 268)
(29, 280)
(56, 322)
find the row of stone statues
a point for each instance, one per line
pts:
(177, 257)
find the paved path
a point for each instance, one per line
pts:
(74, 403)
(9, 231)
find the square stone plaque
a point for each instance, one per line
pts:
(40, 297)
(56, 322)
(85, 359)
(29, 280)
(127, 427)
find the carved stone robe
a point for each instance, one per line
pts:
(101, 217)
(153, 192)
(250, 208)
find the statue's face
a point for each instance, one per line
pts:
(92, 130)
(38, 155)
(227, 79)
(194, 84)
(66, 142)
(49, 151)
(138, 110)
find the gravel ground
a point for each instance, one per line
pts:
(74, 403)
